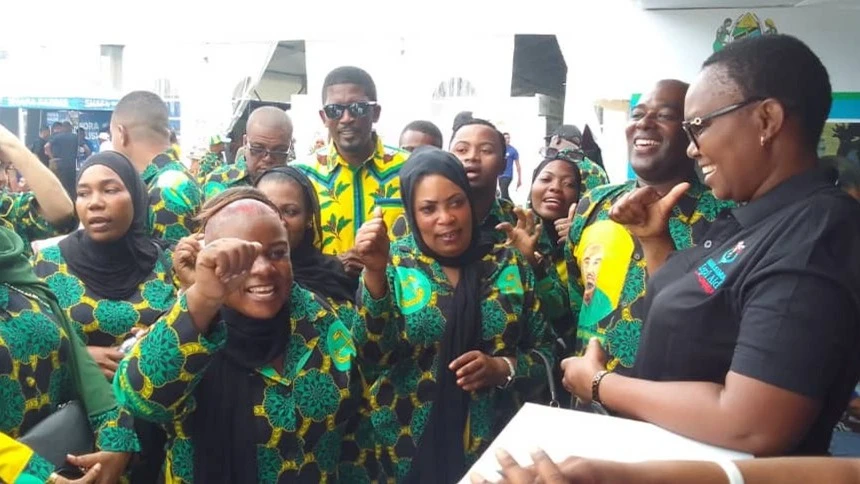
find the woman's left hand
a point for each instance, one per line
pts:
(477, 370)
(113, 464)
(579, 371)
(524, 237)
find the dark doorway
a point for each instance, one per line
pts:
(540, 69)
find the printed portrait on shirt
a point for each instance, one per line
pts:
(603, 255)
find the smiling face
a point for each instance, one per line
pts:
(478, 148)
(555, 189)
(268, 286)
(730, 152)
(103, 204)
(287, 195)
(443, 215)
(350, 134)
(655, 141)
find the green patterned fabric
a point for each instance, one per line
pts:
(308, 423)
(613, 307)
(208, 164)
(19, 212)
(103, 322)
(226, 176)
(174, 198)
(399, 336)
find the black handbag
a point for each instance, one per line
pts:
(66, 431)
(550, 376)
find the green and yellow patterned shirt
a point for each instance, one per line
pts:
(35, 378)
(226, 176)
(208, 164)
(100, 321)
(349, 195)
(20, 212)
(607, 270)
(304, 417)
(399, 336)
(174, 198)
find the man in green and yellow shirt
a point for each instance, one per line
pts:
(356, 172)
(606, 265)
(140, 131)
(267, 141)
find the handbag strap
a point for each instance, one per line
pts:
(553, 402)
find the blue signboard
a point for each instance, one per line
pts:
(70, 103)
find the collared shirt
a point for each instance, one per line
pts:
(226, 176)
(772, 293)
(35, 377)
(348, 195)
(20, 212)
(174, 198)
(305, 418)
(606, 267)
(100, 321)
(501, 211)
(400, 335)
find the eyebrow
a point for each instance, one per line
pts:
(103, 182)
(427, 200)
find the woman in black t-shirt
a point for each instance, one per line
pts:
(751, 339)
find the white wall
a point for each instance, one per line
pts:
(277, 87)
(647, 46)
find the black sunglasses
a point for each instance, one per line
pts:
(356, 110)
(694, 127)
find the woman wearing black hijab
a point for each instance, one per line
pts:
(449, 321)
(110, 276)
(294, 195)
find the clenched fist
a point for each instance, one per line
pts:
(371, 243)
(223, 266)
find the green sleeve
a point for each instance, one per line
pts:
(379, 332)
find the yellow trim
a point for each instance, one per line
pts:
(13, 458)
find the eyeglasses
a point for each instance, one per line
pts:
(279, 156)
(356, 110)
(694, 127)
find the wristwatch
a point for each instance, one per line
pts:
(511, 375)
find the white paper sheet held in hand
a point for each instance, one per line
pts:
(564, 433)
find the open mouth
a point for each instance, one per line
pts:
(449, 237)
(708, 170)
(261, 292)
(98, 223)
(552, 203)
(646, 145)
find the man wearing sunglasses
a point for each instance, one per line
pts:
(356, 172)
(657, 148)
(267, 141)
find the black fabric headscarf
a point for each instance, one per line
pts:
(223, 425)
(573, 157)
(322, 274)
(440, 458)
(114, 270)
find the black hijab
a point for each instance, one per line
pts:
(223, 425)
(114, 270)
(440, 457)
(322, 274)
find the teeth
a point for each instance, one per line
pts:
(262, 289)
(707, 170)
(646, 142)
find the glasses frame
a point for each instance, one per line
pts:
(351, 107)
(694, 127)
(566, 154)
(271, 154)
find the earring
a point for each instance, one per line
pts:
(763, 140)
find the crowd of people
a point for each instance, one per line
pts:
(374, 313)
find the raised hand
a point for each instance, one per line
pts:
(371, 243)
(185, 258)
(645, 212)
(223, 266)
(525, 235)
(562, 225)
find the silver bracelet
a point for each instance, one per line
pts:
(732, 472)
(511, 375)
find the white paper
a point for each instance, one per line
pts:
(564, 433)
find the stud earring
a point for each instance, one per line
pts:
(763, 139)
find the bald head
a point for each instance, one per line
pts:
(272, 119)
(234, 218)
